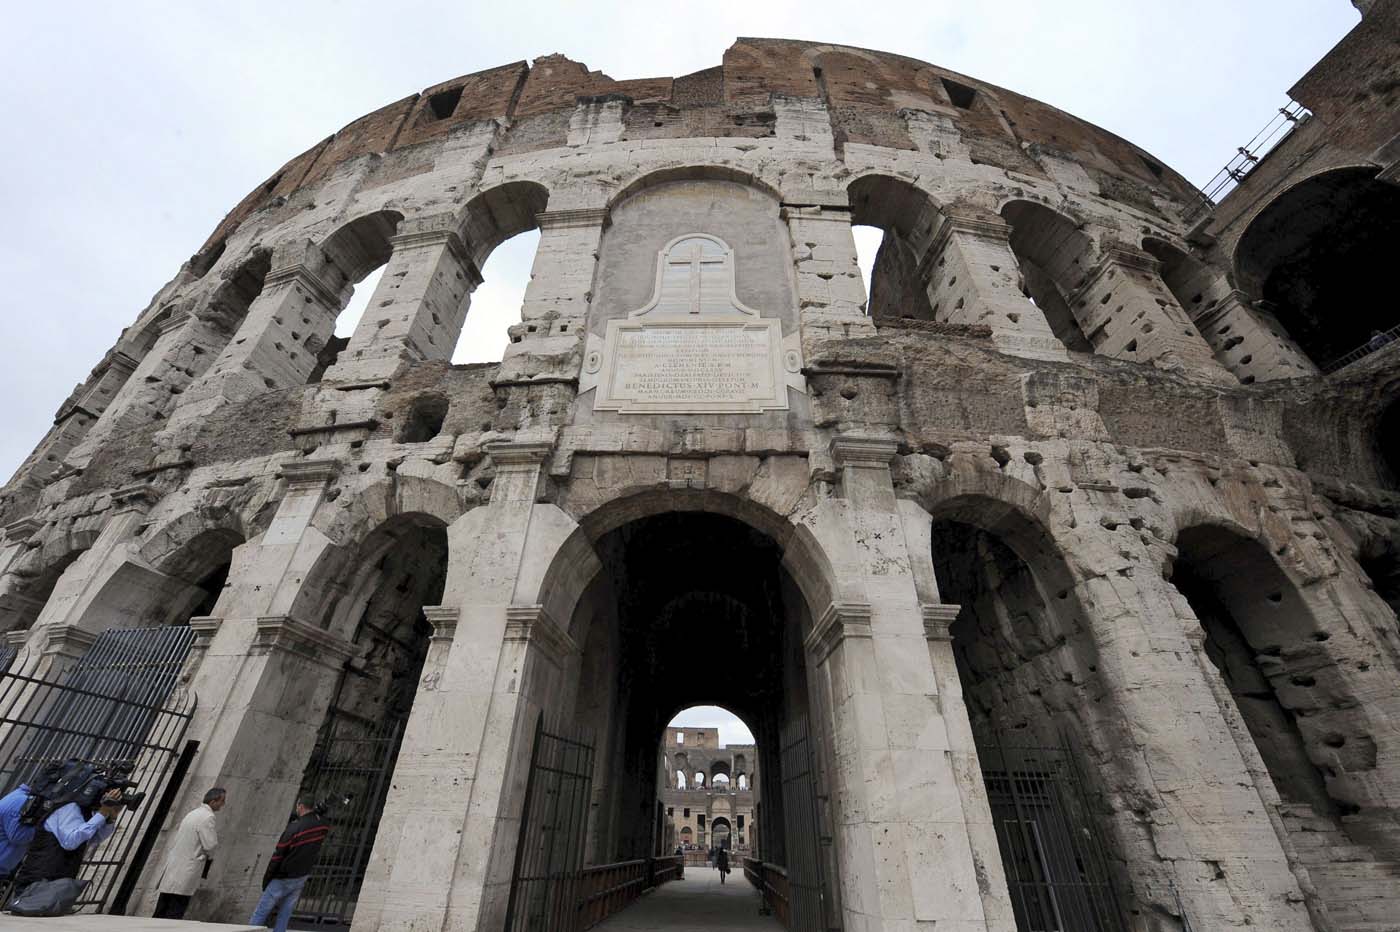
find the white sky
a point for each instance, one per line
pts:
(732, 729)
(134, 127)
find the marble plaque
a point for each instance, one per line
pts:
(694, 349)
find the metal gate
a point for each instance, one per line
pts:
(801, 830)
(1050, 845)
(350, 770)
(544, 892)
(120, 703)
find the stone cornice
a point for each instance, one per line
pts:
(175, 321)
(67, 640)
(284, 633)
(839, 621)
(564, 219)
(304, 275)
(533, 625)
(519, 452)
(444, 619)
(23, 529)
(863, 452)
(304, 474)
(204, 628)
(440, 238)
(122, 362)
(16, 639)
(139, 497)
(938, 619)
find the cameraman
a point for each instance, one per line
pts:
(59, 844)
(291, 864)
(15, 836)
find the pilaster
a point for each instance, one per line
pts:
(830, 292)
(1127, 312)
(970, 274)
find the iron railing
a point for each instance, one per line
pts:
(1054, 859)
(350, 770)
(121, 703)
(549, 855)
(805, 893)
(771, 881)
(1246, 157)
(1378, 341)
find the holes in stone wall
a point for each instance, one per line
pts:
(961, 95)
(443, 104)
(424, 420)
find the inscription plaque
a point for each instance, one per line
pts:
(694, 348)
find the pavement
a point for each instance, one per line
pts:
(699, 903)
(88, 922)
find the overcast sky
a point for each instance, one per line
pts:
(732, 729)
(134, 127)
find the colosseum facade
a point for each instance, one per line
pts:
(1081, 518)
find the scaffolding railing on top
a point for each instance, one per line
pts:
(1288, 118)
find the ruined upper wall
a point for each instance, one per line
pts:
(867, 93)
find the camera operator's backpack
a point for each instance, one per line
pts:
(47, 897)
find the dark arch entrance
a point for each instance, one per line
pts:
(1320, 254)
(673, 591)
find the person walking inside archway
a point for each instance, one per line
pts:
(190, 854)
(291, 864)
(722, 862)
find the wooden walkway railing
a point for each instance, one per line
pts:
(772, 883)
(606, 889)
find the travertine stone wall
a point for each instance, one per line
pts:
(1045, 423)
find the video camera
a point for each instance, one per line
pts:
(81, 782)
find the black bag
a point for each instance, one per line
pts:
(47, 897)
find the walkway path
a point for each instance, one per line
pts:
(699, 903)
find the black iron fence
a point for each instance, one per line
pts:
(1050, 845)
(121, 703)
(350, 771)
(805, 888)
(544, 892)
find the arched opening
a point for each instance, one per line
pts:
(668, 587)
(1379, 557)
(502, 235)
(894, 224)
(1051, 253)
(1023, 662)
(29, 589)
(400, 569)
(1284, 698)
(1319, 254)
(717, 738)
(358, 251)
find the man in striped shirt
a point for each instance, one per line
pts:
(292, 861)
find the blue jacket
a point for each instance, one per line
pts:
(14, 837)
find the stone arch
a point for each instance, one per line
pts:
(239, 286)
(360, 528)
(568, 570)
(362, 244)
(1321, 244)
(1055, 257)
(653, 177)
(1283, 675)
(25, 588)
(910, 218)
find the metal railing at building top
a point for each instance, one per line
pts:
(1288, 118)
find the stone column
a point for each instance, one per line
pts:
(830, 293)
(182, 351)
(904, 846)
(418, 308)
(284, 329)
(1190, 824)
(554, 314)
(1127, 312)
(263, 686)
(1249, 341)
(444, 855)
(971, 276)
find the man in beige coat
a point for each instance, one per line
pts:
(191, 849)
